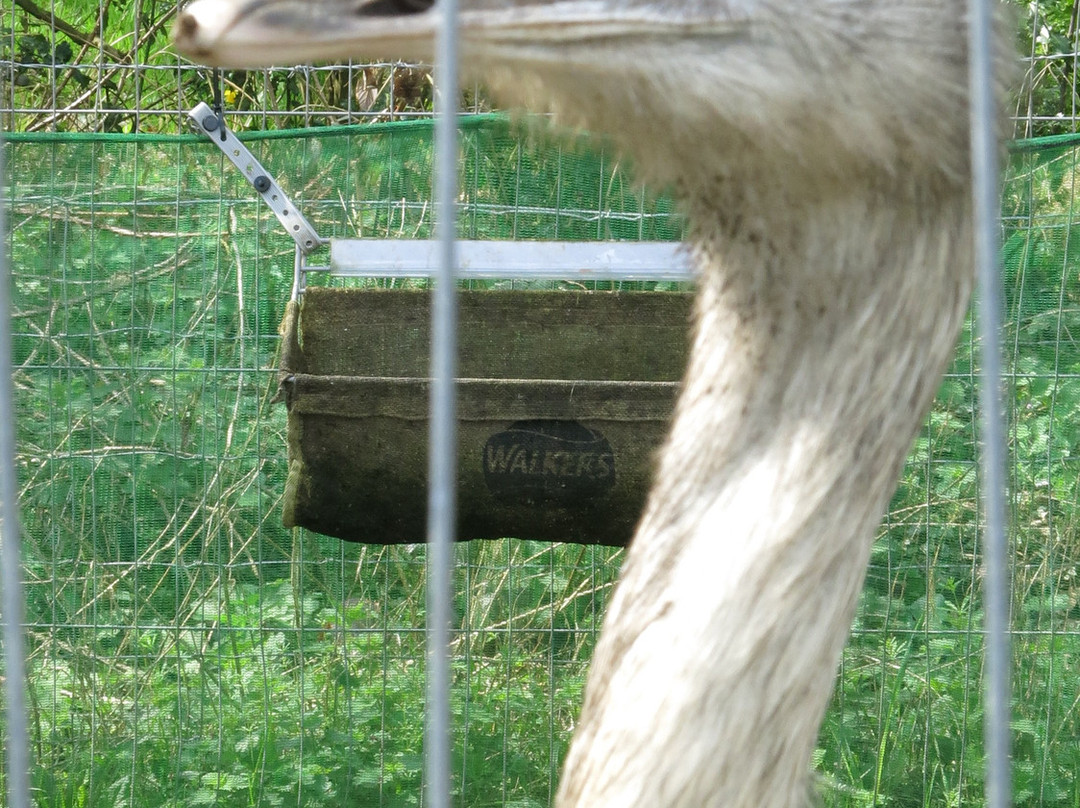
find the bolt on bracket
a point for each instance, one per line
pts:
(301, 231)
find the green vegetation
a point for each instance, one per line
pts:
(185, 649)
(108, 66)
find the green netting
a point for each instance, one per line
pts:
(187, 649)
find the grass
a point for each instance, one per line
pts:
(185, 649)
(260, 695)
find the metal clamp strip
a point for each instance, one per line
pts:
(287, 213)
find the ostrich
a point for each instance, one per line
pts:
(819, 149)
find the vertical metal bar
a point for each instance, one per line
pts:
(442, 443)
(18, 746)
(984, 166)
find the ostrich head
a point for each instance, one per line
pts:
(819, 148)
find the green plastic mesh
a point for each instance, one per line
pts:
(186, 648)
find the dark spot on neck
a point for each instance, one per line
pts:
(394, 8)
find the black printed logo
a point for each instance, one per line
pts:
(548, 463)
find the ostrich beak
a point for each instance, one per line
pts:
(260, 33)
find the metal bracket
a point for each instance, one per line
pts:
(287, 213)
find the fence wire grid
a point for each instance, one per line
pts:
(184, 648)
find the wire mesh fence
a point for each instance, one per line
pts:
(185, 648)
(106, 66)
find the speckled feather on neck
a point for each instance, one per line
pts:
(820, 150)
(825, 183)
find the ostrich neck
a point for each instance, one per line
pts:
(820, 341)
